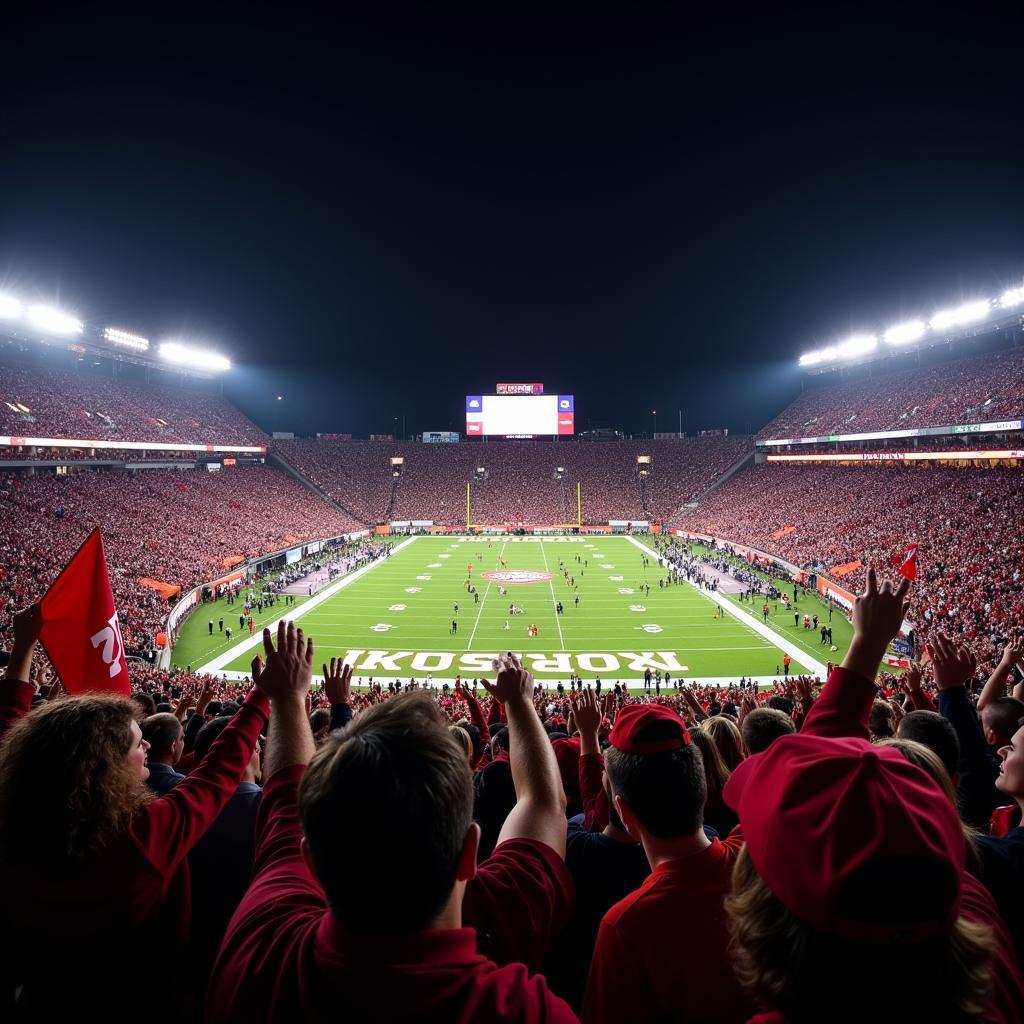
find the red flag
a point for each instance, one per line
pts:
(80, 632)
(908, 563)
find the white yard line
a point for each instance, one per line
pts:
(776, 639)
(326, 594)
(554, 602)
(483, 601)
(633, 682)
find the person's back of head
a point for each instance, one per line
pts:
(146, 704)
(165, 736)
(67, 784)
(1001, 719)
(763, 726)
(779, 703)
(716, 774)
(728, 740)
(392, 790)
(936, 733)
(657, 771)
(813, 910)
(207, 734)
(499, 741)
(881, 721)
(320, 724)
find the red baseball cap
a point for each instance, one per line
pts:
(825, 819)
(665, 729)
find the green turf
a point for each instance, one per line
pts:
(195, 644)
(387, 630)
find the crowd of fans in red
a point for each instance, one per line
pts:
(981, 389)
(63, 403)
(965, 521)
(176, 527)
(496, 851)
(522, 481)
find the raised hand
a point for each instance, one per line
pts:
(512, 683)
(953, 665)
(338, 681)
(587, 712)
(879, 612)
(289, 669)
(912, 678)
(1013, 654)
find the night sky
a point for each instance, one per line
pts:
(374, 221)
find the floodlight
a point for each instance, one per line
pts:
(185, 355)
(53, 321)
(857, 345)
(968, 313)
(127, 340)
(903, 333)
(827, 354)
(10, 307)
(1013, 297)
(810, 358)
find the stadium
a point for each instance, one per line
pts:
(550, 714)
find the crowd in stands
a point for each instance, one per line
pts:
(966, 522)
(520, 482)
(983, 389)
(64, 403)
(496, 851)
(175, 527)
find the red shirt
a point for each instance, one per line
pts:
(662, 953)
(285, 958)
(132, 899)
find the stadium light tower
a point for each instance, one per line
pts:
(126, 339)
(654, 413)
(10, 307)
(903, 334)
(1012, 297)
(199, 359)
(53, 321)
(968, 313)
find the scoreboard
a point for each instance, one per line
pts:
(512, 415)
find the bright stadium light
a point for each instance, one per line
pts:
(10, 307)
(858, 345)
(53, 321)
(125, 339)
(903, 333)
(810, 358)
(185, 355)
(968, 313)
(1011, 298)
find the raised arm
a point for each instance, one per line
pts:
(285, 679)
(995, 688)
(844, 707)
(588, 715)
(16, 690)
(539, 812)
(978, 768)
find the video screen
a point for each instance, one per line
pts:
(509, 415)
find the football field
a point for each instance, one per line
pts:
(394, 618)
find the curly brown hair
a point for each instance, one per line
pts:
(65, 789)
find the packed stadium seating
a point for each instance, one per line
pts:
(519, 484)
(979, 389)
(63, 403)
(967, 522)
(167, 525)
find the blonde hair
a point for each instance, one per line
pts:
(463, 739)
(728, 739)
(791, 967)
(715, 771)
